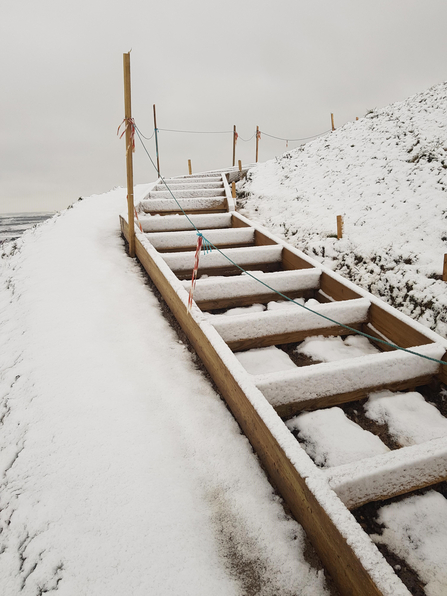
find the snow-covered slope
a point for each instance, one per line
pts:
(121, 470)
(387, 175)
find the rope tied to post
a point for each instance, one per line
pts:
(129, 124)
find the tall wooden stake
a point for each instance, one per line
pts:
(332, 120)
(339, 226)
(444, 273)
(240, 165)
(234, 144)
(129, 157)
(156, 141)
(189, 167)
(257, 143)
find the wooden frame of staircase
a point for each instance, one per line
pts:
(351, 558)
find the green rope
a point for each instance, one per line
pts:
(213, 247)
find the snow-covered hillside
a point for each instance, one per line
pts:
(387, 175)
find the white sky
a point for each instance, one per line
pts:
(283, 65)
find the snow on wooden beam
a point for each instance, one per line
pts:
(190, 193)
(259, 255)
(170, 205)
(390, 474)
(310, 386)
(242, 330)
(187, 240)
(171, 223)
(218, 292)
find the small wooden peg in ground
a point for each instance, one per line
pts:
(189, 167)
(240, 165)
(257, 143)
(339, 226)
(233, 190)
(332, 121)
(356, 117)
(444, 273)
(234, 144)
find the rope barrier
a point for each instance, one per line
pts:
(211, 246)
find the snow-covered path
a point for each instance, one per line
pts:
(122, 472)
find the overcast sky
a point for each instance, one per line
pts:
(283, 65)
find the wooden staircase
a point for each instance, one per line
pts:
(319, 499)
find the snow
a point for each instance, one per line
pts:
(261, 360)
(245, 285)
(175, 240)
(410, 419)
(331, 349)
(393, 473)
(122, 472)
(331, 439)
(164, 223)
(272, 322)
(387, 175)
(416, 531)
(184, 261)
(330, 378)
(186, 204)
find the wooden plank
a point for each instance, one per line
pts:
(237, 222)
(291, 409)
(291, 260)
(443, 372)
(289, 337)
(229, 270)
(237, 301)
(390, 474)
(262, 239)
(400, 333)
(335, 289)
(336, 554)
(366, 328)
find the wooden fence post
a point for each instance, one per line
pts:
(233, 190)
(339, 226)
(189, 167)
(257, 143)
(156, 141)
(234, 144)
(332, 121)
(129, 156)
(240, 165)
(444, 273)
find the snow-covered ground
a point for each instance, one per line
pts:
(122, 471)
(387, 175)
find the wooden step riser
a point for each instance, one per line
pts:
(187, 240)
(185, 194)
(216, 304)
(208, 204)
(179, 223)
(229, 271)
(328, 401)
(391, 474)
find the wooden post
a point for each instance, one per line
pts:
(240, 165)
(339, 226)
(234, 144)
(444, 273)
(356, 117)
(332, 120)
(156, 141)
(233, 190)
(129, 157)
(189, 167)
(257, 143)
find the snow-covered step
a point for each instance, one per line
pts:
(186, 194)
(197, 204)
(178, 222)
(391, 474)
(176, 186)
(164, 241)
(244, 257)
(332, 383)
(194, 180)
(289, 325)
(241, 290)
